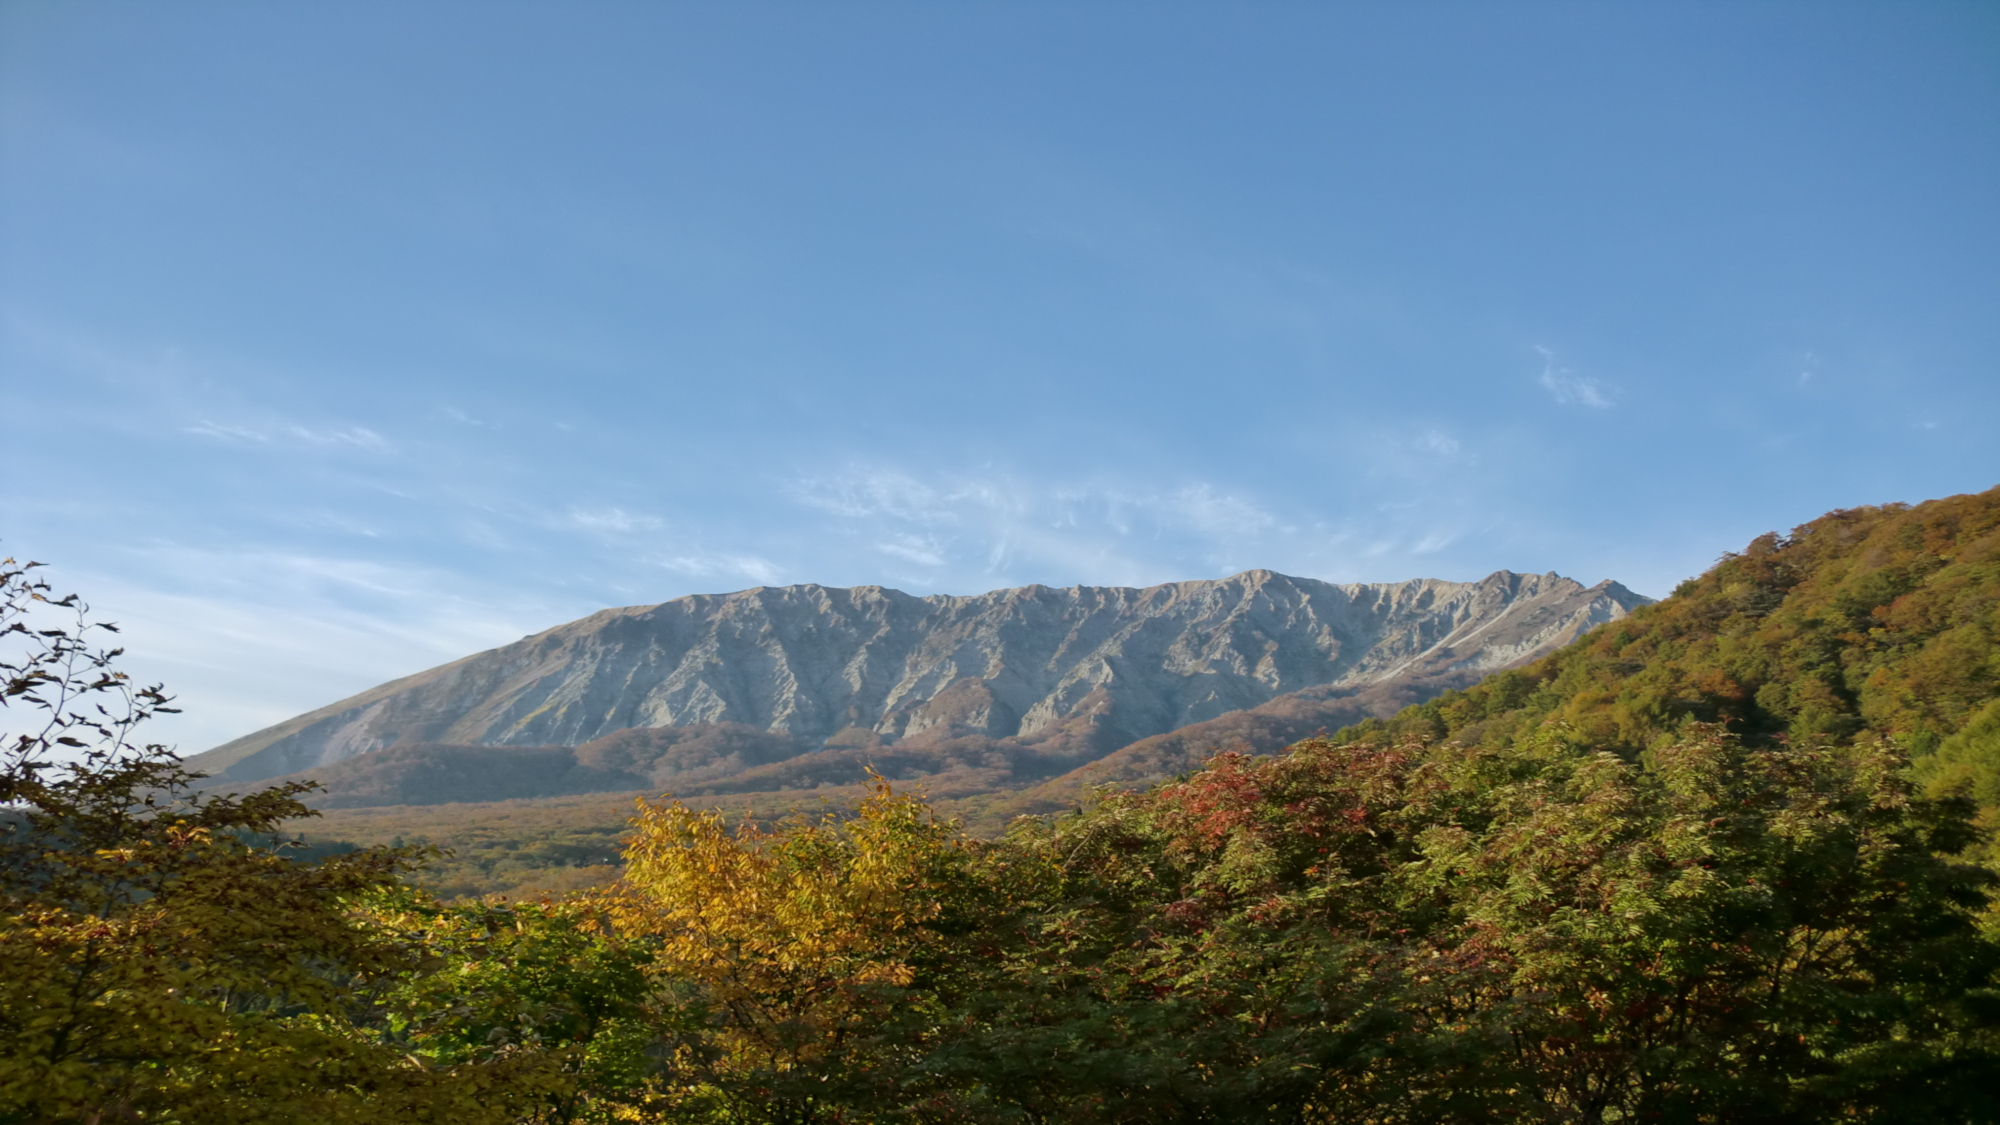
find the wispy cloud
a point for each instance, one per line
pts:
(919, 549)
(249, 638)
(1569, 388)
(167, 388)
(210, 429)
(865, 493)
(360, 437)
(707, 564)
(1205, 510)
(612, 519)
(353, 437)
(1008, 528)
(1438, 443)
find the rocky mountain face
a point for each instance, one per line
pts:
(790, 687)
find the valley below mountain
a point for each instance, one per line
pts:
(1016, 700)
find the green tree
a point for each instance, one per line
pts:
(1774, 933)
(502, 980)
(1546, 932)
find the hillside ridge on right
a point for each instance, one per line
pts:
(1872, 622)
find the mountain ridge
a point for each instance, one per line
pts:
(1048, 679)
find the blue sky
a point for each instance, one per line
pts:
(339, 340)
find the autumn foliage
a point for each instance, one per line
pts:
(779, 956)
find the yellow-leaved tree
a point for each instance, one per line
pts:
(791, 962)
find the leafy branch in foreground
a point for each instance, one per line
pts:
(155, 963)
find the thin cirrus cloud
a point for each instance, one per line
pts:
(964, 534)
(725, 566)
(1568, 388)
(966, 501)
(897, 494)
(616, 520)
(248, 638)
(922, 550)
(1438, 444)
(356, 437)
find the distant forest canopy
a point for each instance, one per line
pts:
(1721, 860)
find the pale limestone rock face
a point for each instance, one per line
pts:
(812, 660)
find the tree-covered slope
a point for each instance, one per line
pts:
(1867, 622)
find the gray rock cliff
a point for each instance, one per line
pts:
(810, 662)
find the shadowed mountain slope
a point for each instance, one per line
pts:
(975, 693)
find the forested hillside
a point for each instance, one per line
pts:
(1866, 623)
